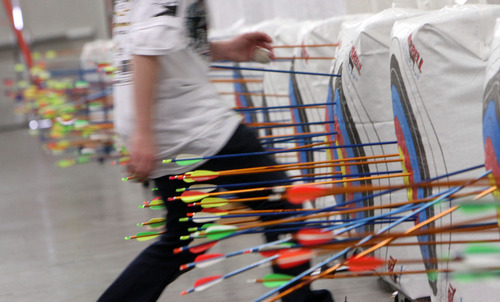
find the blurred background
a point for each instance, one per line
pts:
(63, 230)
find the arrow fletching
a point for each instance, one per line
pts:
(314, 236)
(202, 247)
(192, 196)
(365, 263)
(203, 217)
(206, 260)
(184, 159)
(217, 232)
(476, 207)
(199, 176)
(213, 202)
(65, 163)
(143, 236)
(294, 257)
(302, 193)
(275, 280)
(206, 282)
(206, 188)
(272, 250)
(154, 222)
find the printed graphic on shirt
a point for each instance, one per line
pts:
(169, 8)
(121, 28)
(197, 28)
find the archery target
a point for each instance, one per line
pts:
(362, 109)
(491, 112)
(437, 73)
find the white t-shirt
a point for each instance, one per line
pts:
(189, 117)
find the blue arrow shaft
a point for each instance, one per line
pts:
(282, 151)
(275, 70)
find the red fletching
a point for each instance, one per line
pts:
(302, 193)
(202, 248)
(206, 280)
(270, 253)
(192, 193)
(314, 236)
(206, 257)
(294, 257)
(365, 263)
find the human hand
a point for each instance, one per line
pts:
(142, 156)
(242, 48)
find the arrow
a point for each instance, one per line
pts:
(155, 204)
(332, 269)
(144, 236)
(306, 45)
(188, 159)
(192, 196)
(303, 58)
(301, 193)
(210, 281)
(274, 70)
(208, 260)
(317, 177)
(275, 280)
(154, 222)
(315, 214)
(204, 175)
(254, 108)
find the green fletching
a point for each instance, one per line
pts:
(65, 163)
(213, 202)
(81, 123)
(475, 276)
(143, 236)
(275, 280)
(81, 84)
(156, 222)
(188, 180)
(219, 235)
(186, 159)
(187, 162)
(476, 207)
(158, 207)
(156, 202)
(207, 225)
(432, 276)
(482, 249)
(83, 160)
(217, 232)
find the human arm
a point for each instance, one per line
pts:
(145, 73)
(241, 48)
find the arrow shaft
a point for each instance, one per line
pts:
(274, 70)
(335, 267)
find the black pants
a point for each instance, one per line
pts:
(157, 266)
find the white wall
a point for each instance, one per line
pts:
(225, 13)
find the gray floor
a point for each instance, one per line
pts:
(62, 234)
